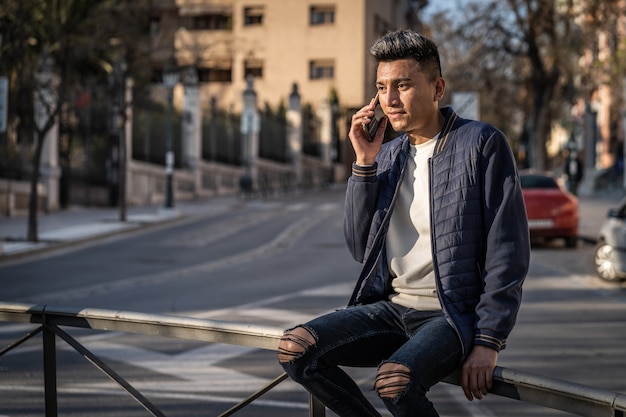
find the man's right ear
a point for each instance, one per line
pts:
(440, 88)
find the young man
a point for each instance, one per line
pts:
(437, 218)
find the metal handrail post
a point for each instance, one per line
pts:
(280, 378)
(316, 408)
(108, 371)
(50, 371)
(21, 340)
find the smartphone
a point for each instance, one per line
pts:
(372, 126)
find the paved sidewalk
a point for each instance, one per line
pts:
(80, 224)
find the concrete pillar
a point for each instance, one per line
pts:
(171, 76)
(325, 116)
(213, 129)
(250, 127)
(45, 100)
(294, 132)
(192, 126)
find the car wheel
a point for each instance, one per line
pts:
(571, 241)
(604, 263)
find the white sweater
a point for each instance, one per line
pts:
(408, 240)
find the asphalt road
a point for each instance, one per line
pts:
(275, 262)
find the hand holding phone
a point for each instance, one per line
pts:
(372, 126)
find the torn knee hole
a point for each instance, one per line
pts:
(392, 380)
(294, 343)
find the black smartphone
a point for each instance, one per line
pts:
(372, 126)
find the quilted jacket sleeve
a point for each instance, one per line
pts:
(360, 205)
(507, 252)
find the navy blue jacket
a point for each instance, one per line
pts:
(479, 229)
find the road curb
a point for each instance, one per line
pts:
(51, 246)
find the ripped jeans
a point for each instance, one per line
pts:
(413, 350)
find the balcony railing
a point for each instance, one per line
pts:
(573, 398)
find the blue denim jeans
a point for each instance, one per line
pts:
(368, 336)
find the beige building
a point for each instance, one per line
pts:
(320, 45)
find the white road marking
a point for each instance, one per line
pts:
(284, 240)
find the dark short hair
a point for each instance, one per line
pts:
(401, 44)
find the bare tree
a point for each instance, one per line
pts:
(75, 41)
(519, 53)
(64, 30)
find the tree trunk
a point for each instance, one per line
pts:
(32, 234)
(540, 123)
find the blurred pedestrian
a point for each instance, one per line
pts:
(573, 170)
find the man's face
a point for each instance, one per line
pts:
(409, 99)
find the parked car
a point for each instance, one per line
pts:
(552, 210)
(610, 254)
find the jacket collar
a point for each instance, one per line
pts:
(450, 119)
(444, 136)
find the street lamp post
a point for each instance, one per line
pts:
(170, 79)
(119, 122)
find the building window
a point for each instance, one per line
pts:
(212, 22)
(320, 69)
(214, 75)
(322, 15)
(253, 16)
(253, 67)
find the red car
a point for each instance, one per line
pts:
(552, 210)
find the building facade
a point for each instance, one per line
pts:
(322, 46)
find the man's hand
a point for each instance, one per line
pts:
(365, 150)
(477, 372)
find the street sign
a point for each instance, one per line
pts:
(4, 103)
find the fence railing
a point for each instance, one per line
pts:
(573, 398)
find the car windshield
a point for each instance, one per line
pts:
(538, 181)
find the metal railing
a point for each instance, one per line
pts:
(573, 398)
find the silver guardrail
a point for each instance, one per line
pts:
(570, 397)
